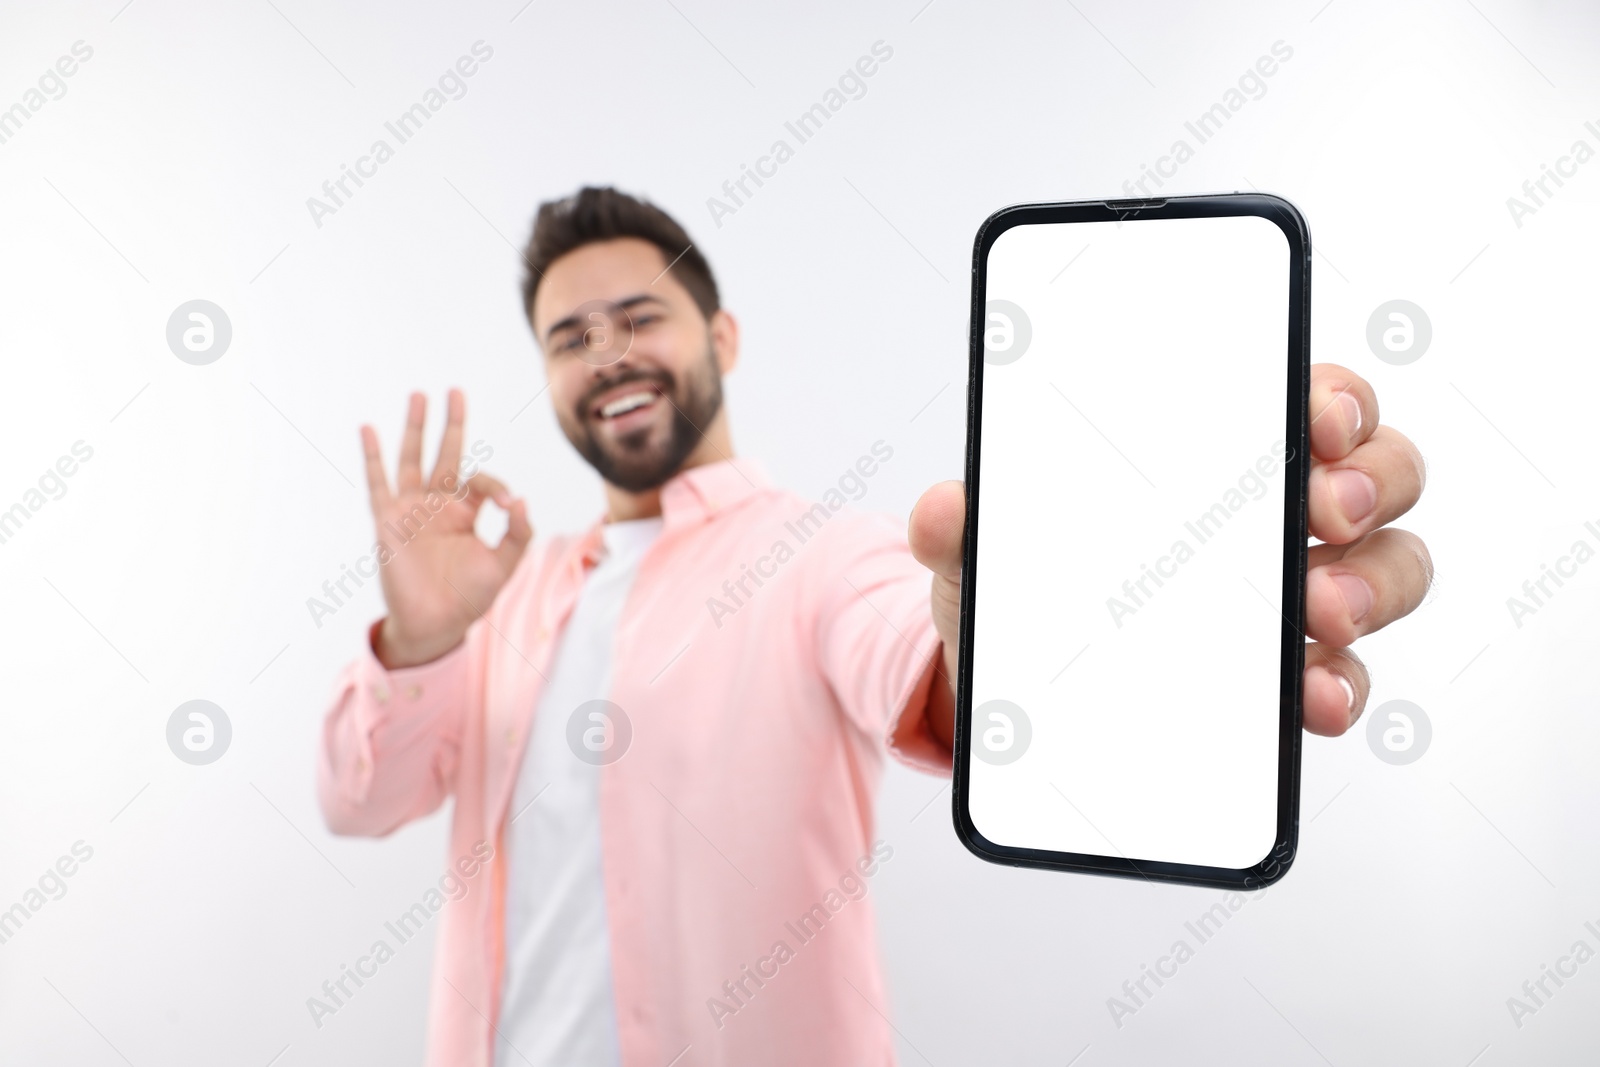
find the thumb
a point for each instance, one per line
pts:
(935, 529)
(518, 534)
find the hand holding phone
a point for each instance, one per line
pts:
(1134, 598)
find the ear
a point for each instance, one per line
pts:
(724, 329)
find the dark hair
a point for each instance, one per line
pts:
(600, 214)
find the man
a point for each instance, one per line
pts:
(663, 736)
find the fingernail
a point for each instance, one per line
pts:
(1344, 684)
(1355, 491)
(1357, 595)
(1349, 694)
(1350, 409)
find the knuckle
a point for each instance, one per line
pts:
(1405, 540)
(1424, 563)
(1406, 558)
(1419, 462)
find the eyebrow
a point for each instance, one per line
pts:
(625, 304)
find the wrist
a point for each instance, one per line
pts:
(397, 651)
(941, 707)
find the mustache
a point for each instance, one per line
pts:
(658, 378)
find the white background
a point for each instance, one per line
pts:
(219, 498)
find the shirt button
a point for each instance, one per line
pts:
(544, 632)
(511, 737)
(380, 694)
(413, 691)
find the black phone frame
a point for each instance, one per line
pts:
(1288, 218)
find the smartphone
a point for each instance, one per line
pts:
(1133, 596)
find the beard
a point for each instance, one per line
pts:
(644, 459)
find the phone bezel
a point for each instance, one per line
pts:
(1288, 218)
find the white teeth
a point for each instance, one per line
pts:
(627, 403)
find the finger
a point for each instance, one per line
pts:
(1320, 555)
(1375, 484)
(449, 461)
(1381, 578)
(377, 481)
(935, 528)
(481, 487)
(1343, 411)
(411, 444)
(519, 532)
(1336, 688)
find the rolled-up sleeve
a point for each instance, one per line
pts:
(391, 740)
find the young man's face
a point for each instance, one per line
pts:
(635, 369)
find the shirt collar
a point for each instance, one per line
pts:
(692, 495)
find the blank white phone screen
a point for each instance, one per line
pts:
(1127, 620)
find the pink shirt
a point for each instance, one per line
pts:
(769, 651)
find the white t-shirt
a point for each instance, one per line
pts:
(557, 1005)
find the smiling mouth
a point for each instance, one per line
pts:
(626, 401)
